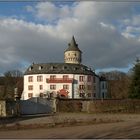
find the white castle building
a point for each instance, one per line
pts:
(70, 79)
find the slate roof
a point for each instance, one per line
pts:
(73, 46)
(58, 68)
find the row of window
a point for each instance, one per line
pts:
(64, 67)
(83, 87)
(53, 87)
(84, 95)
(40, 78)
(30, 95)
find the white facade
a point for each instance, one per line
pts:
(36, 84)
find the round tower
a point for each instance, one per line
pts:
(73, 54)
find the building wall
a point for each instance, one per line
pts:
(73, 85)
(97, 87)
(103, 89)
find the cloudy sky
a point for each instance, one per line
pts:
(108, 33)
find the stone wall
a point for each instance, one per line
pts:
(2, 108)
(99, 106)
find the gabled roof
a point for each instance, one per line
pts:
(73, 46)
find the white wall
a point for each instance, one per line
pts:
(73, 87)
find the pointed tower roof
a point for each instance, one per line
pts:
(73, 46)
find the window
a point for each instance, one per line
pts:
(52, 87)
(52, 76)
(103, 86)
(89, 78)
(81, 78)
(40, 67)
(30, 95)
(41, 95)
(39, 78)
(66, 87)
(65, 76)
(30, 68)
(94, 79)
(89, 94)
(30, 79)
(94, 87)
(40, 87)
(103, 95)
(89, 87)
(53, 67)
(30, 87)
(64, 67)
(82, 95)
(81, 87)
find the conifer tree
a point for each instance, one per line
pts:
(134, 91)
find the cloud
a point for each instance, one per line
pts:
(96, 27)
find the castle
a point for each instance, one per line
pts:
(70, 79)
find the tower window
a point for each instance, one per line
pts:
(75, 68)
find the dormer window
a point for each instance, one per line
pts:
(84, 69)
(40, 67)
(30, 68)
(52, 67)
(64, 67)
(75, 68)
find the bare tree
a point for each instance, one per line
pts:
(13, 79)
(118, 83)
